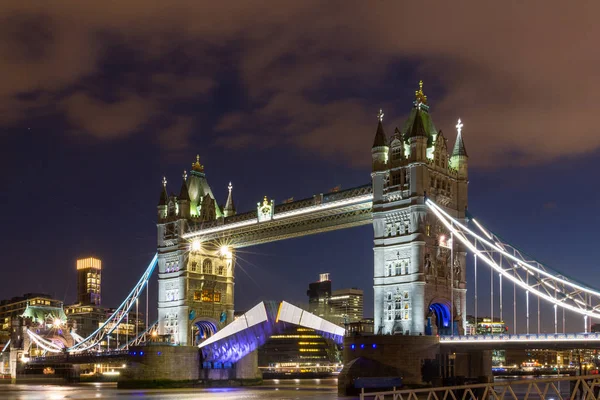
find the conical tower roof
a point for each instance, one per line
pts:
(164, 197)
(183, 192)
(459, 145)
(229, 205)
(380, 138)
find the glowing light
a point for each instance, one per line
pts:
(89, 263)
(196, 245)
(154, 334)
(57, 322)
(225, 251)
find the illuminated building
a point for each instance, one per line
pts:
(418, 289)
(298, 350)
(16, 306)
(488, 327)
(346, 306)
(89, 274)
(318, 296)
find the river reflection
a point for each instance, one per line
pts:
(319, 389)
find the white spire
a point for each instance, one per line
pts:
(459, 126)
(229, 206)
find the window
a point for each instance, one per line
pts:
(221, 270)
(398, 269)
(209, 296)
(194, 266)
(207, 266)
(197, 295)
(396, 179)
(396, 153)
(206, 295)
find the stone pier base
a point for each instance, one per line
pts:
(153, 366)
(181, 366)
(417, 360)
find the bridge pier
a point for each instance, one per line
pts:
(416, 359)
(181, 366)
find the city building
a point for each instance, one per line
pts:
(298, 351)
(16, 306)
(318, 296)
(89, 274)
(346, 306)
(418, 288)
(363, 327)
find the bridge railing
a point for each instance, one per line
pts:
(560, 388)
(522, 337)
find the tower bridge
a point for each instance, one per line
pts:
(417, 203)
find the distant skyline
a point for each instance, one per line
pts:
(98, 104)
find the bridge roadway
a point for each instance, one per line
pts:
(558, 341)
(87, 357)
(320, 213)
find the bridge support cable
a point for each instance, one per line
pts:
(78, 338)
(5, 346)
(475, 268)
(44, 343)
(117, 317)
(544, 282)
(143, 337)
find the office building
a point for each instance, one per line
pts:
(89, 273)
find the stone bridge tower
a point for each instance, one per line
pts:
(195, 278)
(414, 276)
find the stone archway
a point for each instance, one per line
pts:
(203, 328)
(439, 318)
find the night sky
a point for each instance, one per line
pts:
(99, 100)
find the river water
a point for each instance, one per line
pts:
(288, 389)
(319, 389)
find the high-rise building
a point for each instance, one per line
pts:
(346, 306)
(418, 288)
(318, 296)
(89, 271)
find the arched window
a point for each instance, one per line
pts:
(221, 270)
(207, 266)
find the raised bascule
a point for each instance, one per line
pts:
(417, 203)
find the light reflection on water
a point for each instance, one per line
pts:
(320, 389)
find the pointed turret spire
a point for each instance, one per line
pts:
(380, 138)
(417, 129)
(459, 145)
(164, 197)
(229, 206)
(183, 192)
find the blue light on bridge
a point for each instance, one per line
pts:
(374, 345)
(352, 346)
(362, 346)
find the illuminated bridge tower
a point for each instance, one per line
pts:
(416, 283)
(195, 278)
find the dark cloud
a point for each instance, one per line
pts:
(521, 75)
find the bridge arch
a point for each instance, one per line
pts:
(439, 317)
(203, 328)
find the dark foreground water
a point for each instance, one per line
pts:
(288, 389)
(320, 389)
